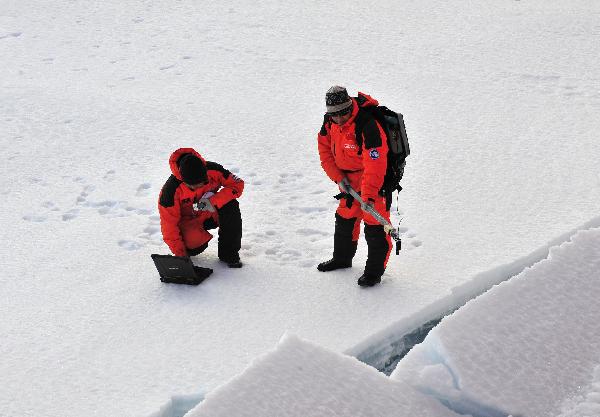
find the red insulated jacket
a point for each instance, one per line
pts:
(341, 157)
(176, 200)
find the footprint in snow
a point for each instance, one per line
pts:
(34, 218)
(247, 251)
(50, 206)
(11, 35)
(43, 213)
(109, 176)
(38, 181)
(408, 238)
(287, 182)
(70, 215)
(152, 234)
(143, 189)
(129, 245)
(312, 234)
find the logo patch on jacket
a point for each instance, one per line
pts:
(349, 146)
(374, 154)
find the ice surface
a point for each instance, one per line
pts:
(586, 403)
(523, 348)
(300, 379)
(501, 104)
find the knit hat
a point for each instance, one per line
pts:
(337, 101)
(192, 169)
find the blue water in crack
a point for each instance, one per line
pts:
(179, 405)
(385, 358)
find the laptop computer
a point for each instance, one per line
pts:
(179, 270)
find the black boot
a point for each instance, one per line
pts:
(333, 264)
(230, 234)
(232, 263)
(344, 248)
(368, 280)
(378, 250)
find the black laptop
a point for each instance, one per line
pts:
(179, 270)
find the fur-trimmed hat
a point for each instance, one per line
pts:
(338, 101)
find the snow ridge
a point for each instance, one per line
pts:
(300, 379)
(387, 347)
(537, 329)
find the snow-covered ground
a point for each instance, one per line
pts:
(501, 101)
(301, 379)
(528, 347)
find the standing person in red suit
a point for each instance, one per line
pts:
(198, 197)
(362, 165)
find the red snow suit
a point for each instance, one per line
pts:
(182, 226)
(365, 168)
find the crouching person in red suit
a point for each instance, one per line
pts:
(198, 197)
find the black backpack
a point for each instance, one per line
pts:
(398, 149)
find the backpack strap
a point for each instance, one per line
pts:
(359, 124)
(366, 125)
(360, 99)
(326, 125)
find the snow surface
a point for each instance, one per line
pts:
(300, 379)
(524, 347)
(527, 347)
(501, 101)
(586, 403)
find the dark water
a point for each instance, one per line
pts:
(385, 358)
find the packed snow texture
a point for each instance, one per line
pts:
(501, 101)
(523, 348)
(586, 403)
(300, 379)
